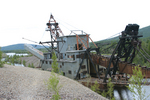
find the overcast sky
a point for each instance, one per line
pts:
(99, 18)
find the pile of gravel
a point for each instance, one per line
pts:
(23, 83)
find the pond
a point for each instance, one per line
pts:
(20, 54)
(12, 54)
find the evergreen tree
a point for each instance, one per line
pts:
(32, 66)
(1, 62)
(54, 64)
(148, 48)
(20, 61)
(12, 60)
(24, 62)
(53, 81)
(29, 65)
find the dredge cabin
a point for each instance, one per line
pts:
(69, 57)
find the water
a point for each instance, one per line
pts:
(122, 94)
(12, 54)
(19, 65)
(125, 94)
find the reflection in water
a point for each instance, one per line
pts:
(122, 93)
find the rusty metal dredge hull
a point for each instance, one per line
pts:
(123, 67)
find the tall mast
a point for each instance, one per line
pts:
(55, 32)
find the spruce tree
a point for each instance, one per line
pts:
(1, 62)
(54, 64)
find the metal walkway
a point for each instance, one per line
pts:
(34, 51)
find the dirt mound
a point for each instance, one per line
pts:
(23, 83)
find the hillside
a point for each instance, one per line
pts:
(19, 47)
(143, 31)
(107, 46)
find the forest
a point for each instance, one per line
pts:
(107, 47)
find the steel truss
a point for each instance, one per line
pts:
(125, 49)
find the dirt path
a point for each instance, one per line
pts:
(23, 83)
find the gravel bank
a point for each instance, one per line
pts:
(30, 60)
(23, 83)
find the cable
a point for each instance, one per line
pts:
(65, 27)
(108, 47)
(142, 54)
(67, 23)
(29, 40)
(42, 35)
(113, 36)
(145, 52)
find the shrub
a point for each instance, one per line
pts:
(24, 62)
(52, 84)
(109, 94)
(20, 61)
(29, 65)
(136, 84)
(54, 64)
(95, 87)
(32, 66)
(110, 91)
(53, 81)
(1, 62)
(88, 80)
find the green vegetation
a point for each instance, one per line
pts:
(20, 61)
(136, 84)
(110, 91)
(110, 86)
(139, 59)
(54, 64)
(44, 50)
(107, 47)
(32, 66)
(13, 59)
(29, 65)
(1, 62)
(88, 80)
(19, 48)
(53, 81)
(53, 86)
(145, 31)
(95, 87)
(15, 51)
(24, 62)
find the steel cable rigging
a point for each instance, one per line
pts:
(148, 59)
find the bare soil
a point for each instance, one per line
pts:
(23, 83)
